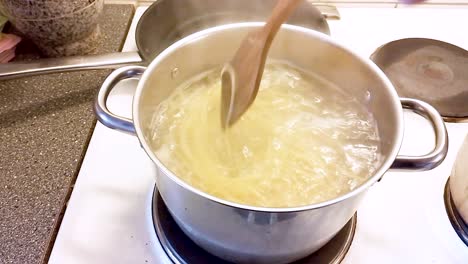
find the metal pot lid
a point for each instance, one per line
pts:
(167, 21)
(430, 70)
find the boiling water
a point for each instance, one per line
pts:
(303, 140)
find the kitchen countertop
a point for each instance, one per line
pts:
(45, 125)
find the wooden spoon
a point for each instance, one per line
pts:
(242, 75)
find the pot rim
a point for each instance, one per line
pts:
(323, 37)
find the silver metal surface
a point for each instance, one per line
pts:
(328, 11)
(459, 181)
(243, 233)
(455, 119)
(438, 154)
(430, 70)
(75, 63)
(460, 226)
(181, 250)
(176, 19)
(165, 22)
(103, 114)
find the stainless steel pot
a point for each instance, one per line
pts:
(267, 235)
(459, 181)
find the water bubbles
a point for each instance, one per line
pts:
(304, 141)
(293, 75)
(246, 152)
(276, 144)
(174, 73)
(367, 96)
(179, 114)
(292, 84)
(352, 184)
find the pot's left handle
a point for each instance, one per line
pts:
(103, 114)
(438, 154)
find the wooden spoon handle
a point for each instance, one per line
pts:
(280, 13)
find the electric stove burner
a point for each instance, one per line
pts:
(457, 222)
(181, 250)
(430, 70)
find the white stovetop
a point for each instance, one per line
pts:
(401, 220)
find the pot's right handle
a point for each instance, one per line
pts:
(103, 114)
(438, 154)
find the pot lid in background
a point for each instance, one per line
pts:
(165, 22)
(430, 70)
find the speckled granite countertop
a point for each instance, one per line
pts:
(45, 125)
